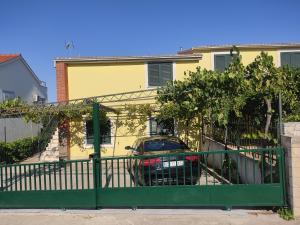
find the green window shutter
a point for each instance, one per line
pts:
(228, 60)
(285, 58)
(219, 63)
(295, 59)
(222, 62)
(166, 73)
(291, 59)
(159, 73)
(153, 74)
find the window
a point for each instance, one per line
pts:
(38, 99)
(163, 145)
(159, 73)
(291, 59)
(105, 138)
(41, 100)
(222, 61)
(164, 127)
(8, 95)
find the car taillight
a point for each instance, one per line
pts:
(150, 162)
(192, 158)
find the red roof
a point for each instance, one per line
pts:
(6, 57)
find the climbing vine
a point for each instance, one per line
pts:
(63, 115)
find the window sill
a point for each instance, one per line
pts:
(153, 87)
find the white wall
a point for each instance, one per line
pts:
(249, 170)
(9, 133)
(16, 76)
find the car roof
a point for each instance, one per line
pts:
(157, 137)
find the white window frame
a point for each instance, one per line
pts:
(8, 92)
(213, 57)
(285, 50)
(147, 75)
(112, 135)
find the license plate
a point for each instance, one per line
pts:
(173, 163)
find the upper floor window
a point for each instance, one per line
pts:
(8, 95)
(105, 138)
(160, 73)
(291, 59)
(222, 61)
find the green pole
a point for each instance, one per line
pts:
(96, 128)
(280, 119)
(97, 153)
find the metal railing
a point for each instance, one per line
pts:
(181, 169)
(62, 175)
(196, 168)
(243, 135)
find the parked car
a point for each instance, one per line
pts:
(162, 160)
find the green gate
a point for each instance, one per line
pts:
(221, 178)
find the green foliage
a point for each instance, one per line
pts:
(239, 93)
(18, 150)
(230, 171)
(286, 214)
(209, 93)
(63, 114)
(136, 118)
(10, 104)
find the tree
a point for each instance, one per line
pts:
(205, 93)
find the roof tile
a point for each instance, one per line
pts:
(6, 57)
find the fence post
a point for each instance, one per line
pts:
(97, 153)
(280, 153)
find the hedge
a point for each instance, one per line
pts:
(18, 150)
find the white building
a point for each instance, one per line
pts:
(18, 80)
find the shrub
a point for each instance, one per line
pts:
(18, 150)
(286, 214)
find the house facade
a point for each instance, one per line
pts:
(18, 80)
(82, 77)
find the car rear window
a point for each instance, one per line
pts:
(163, 145)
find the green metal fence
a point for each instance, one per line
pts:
(215, 178)
(243, 134)
(62, 175)
(221, 178)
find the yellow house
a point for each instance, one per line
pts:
(81, 77)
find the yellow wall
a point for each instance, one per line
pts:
(122, 136)
(87, 80)
(247, 57)
(100, 79)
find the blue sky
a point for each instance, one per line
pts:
(38, 29)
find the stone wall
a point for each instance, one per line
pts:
(291, 146)
(291, 129)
